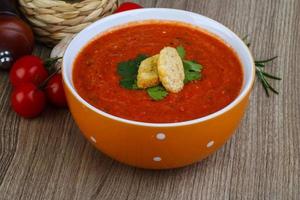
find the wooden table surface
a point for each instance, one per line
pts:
(48, 158)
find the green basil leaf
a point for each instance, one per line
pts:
(157, 93)
(181, 51)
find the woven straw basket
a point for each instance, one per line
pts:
(52, 20)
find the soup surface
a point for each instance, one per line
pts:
(96, 79)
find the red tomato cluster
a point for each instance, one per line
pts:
(127, 6)
(33, 87)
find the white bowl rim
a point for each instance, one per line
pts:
(247, 88)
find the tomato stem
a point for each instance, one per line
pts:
(49, 62)
(44, 83)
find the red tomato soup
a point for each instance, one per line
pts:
(96, 79)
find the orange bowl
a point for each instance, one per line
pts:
(157, 145)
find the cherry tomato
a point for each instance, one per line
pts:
(28, 69)
(127, 6)
(27, 100)
(55, 91)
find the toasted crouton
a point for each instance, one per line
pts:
(147, 74)
(170, 69)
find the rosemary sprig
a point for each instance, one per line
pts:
(245, 39)
(260, 71)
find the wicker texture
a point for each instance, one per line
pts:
(52, 20)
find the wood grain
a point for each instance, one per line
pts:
(48, 158)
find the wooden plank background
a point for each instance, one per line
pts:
(48, 158)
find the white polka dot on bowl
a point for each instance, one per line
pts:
(157, 159)
(210, 144)
(161, 136)
(93, 139)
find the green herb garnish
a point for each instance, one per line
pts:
(129, 83)
(192, 70)
(128, 71)
(181, 51)
(157, 93)
(261, 74)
